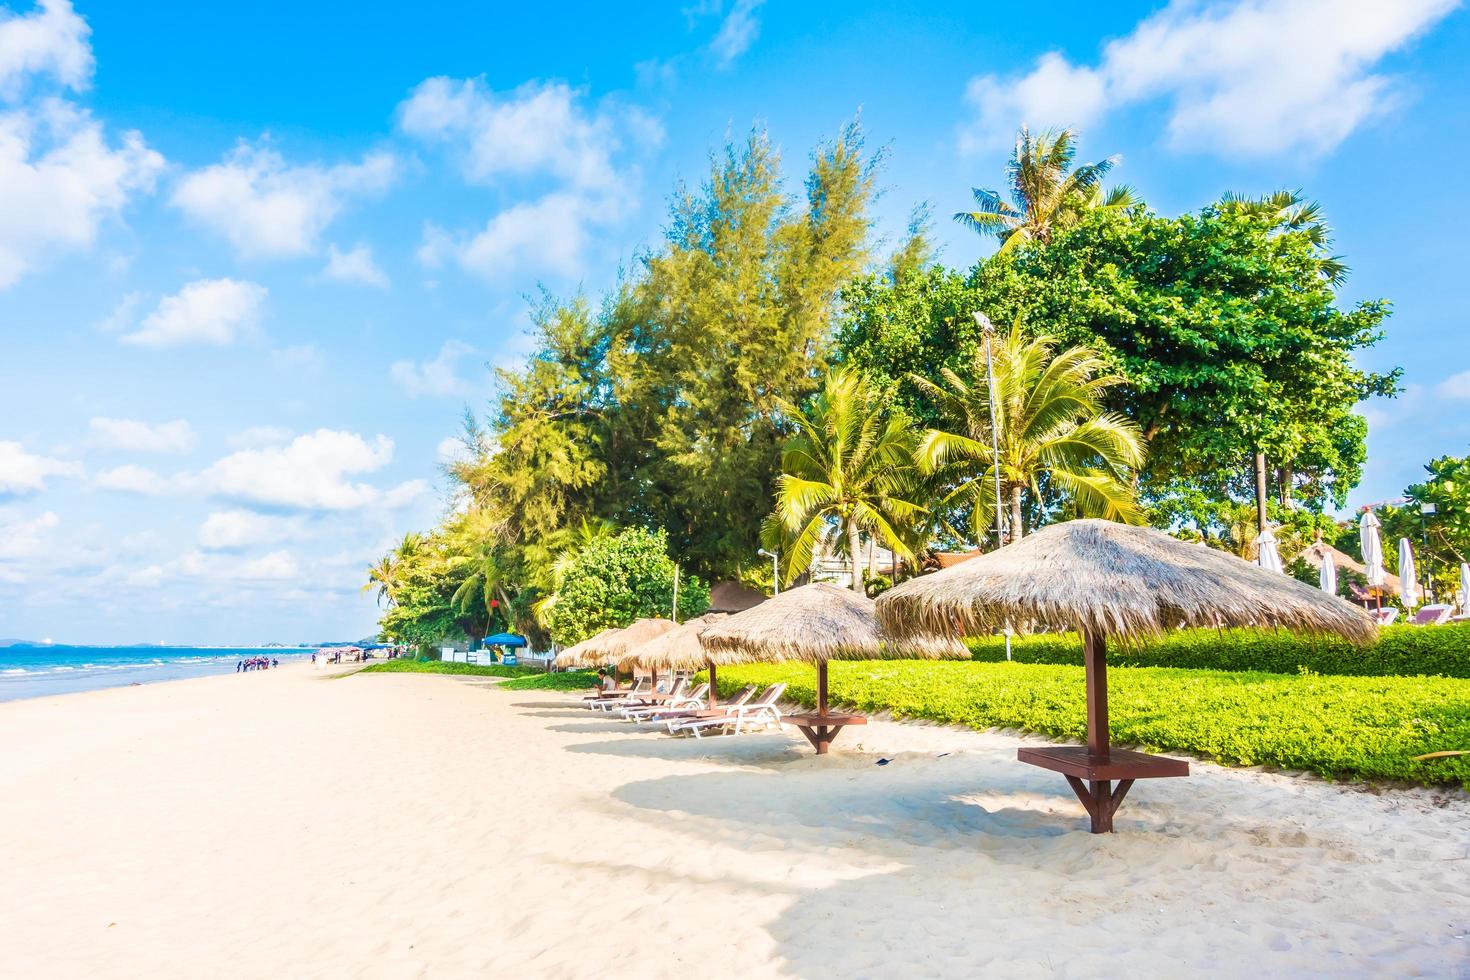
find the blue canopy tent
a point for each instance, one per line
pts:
(508, 640)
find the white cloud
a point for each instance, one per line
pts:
(52, 40)
(1252, 78)
(207, 311)
(135, 436)
(130, 478)
(60, 180)
(405, 493)
(22, 472)
(738, 31)
(195, 566)
(20, 538)
(1455, 386)
(355, 266)
(436, 377)
(267, 208)
(540, 128)
(233, 530)
(310, 473)
(549, 234)
(259, 436)
(276, 566)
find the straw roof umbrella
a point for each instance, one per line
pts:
(814, 623)
(677, 649)
(581, 654)
(1110, 581)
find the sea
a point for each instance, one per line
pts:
(33, 671)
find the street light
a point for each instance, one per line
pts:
(988, 329)
(1426, 510)
(775, 570)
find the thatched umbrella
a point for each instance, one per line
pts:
(814, 623)
(677, 649)
(582, 654)
(611, 647)
(1109, 580)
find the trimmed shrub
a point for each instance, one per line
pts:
(406, 666)
(572, 680)
(1338, 727)
(1400, 651)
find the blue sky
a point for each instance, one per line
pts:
(255, 261)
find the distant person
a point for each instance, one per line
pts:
(239, 666)
(275, 662)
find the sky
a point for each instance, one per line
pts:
(256, 261)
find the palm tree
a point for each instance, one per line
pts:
(843, 467)
(1052, 430)
(560, 551)
(386, 573)
(1292, 213)
(1047, 193)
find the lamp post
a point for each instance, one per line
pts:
(1426, 511)
(988, 330)
(775, 570)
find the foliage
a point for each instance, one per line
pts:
(1338, 727)
(424, 611)
(1049, 194)
(572, 680)
(1401, 650)
(842, 469)
(615, 581)
(1441, 540)
(1056, 442)
(403, 665)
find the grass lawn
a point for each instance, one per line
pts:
(403, 665)
(574, 680)
(1338, 727)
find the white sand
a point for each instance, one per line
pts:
(282, 825)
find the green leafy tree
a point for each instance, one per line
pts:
(614, 581)
(843, 468)
(1047, 192)
(1441, 540)
(1055, 438)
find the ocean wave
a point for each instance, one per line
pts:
(15, 670)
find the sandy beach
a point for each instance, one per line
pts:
(286, 824)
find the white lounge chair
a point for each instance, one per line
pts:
(640, 686)
(672, 718)
(1432, 615)
(1385, 617)
(672, 688)
(681, 698)
(760, 713)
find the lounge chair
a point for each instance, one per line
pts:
(671, 718)
(616, 697)
(679, 699)
(1432, 615)
(665, 691)
(1385, 617)
(760, 713)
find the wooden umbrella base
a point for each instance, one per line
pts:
(821, 729)
(1091, 776)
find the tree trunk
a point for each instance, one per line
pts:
(1284, 477)
(854, 557)
(1260, 492)
(1017, 532)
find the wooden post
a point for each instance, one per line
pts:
(1096, 665)
(713, 695)
(1260, 492)
(821, 687)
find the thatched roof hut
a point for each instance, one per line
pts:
(615, 646)
(1314, 554)
(1111, 580)
(732, 597)
(583, 654)
(676, 649)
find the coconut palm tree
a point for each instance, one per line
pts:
(1047, 192)
(385, 574)
(1290, 212)
(843, 467)
(1052, 433)
(556, 559)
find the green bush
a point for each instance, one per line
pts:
(572, 680)
(615, 581)
(403, 665)
(1400, 651)
(1339, 727)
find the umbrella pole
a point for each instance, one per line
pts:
(821, 687)
(1098, 747)
(713, 686)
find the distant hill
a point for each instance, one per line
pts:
(11, 642)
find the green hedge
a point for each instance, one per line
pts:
(1339, 727)
(403, 665)
(1401, 651)
(572, 680)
